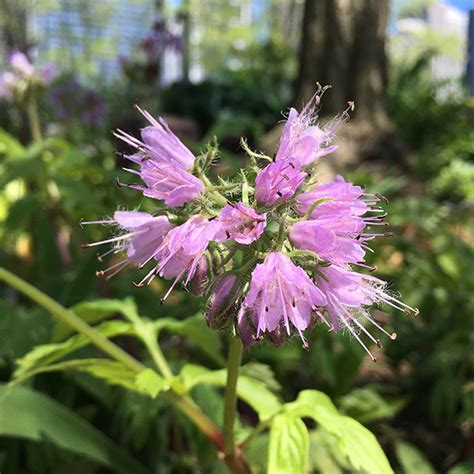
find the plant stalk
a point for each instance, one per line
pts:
(33, 119)
(230, 400)
(154, 348)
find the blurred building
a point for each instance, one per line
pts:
(439, 27)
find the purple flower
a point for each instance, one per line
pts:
(7, 84)
(222, 300)
(301, 141)
(181, 251)
(343, 198)
(240, 223)
(277, 182)
(281, 293)
(335, 230)
(332, 238)
(47, 73)
(141, 236)
(163, 160)
(20, 64)
(348, 294)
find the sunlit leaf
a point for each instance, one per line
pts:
(289, 445)
(151, 383)
(252, 391)
(113, 372)
(48, 353)
(354, 440)
(94, 311)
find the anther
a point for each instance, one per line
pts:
(100, 273)
(382, 198)
(393, 336)
(279, 193)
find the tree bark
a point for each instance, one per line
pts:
(343, 45)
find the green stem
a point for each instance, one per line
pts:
(33, 119)
(153, 347)
(218, 197)
(230, 401)
(70, 319)
(258, 429)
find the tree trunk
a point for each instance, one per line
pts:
(343, 45)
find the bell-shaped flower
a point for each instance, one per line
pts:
(348, 295)
(141, 234)
(240, 223)
(281, 295)
(277, 182)
(164, 164)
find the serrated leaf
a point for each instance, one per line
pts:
(411, 459)
(46, 354)
(95, 311)
(151, 383)
(289, 445)
(113, 372)
(354, 440)
(27, 414)
(252, 391)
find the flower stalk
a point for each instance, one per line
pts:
(230, 401)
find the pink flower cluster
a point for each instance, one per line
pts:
(22, 75)
(282, 257)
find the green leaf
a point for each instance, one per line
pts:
(366, 405)
(111, 371)
(411, 459)
(47, 353)
(25, 413)
(10, 146)
(466, 467)
(252, 391)
(289, 445)
(261, 372)
(353, 440)
(321, 457)
(196, 329)
(151, 383)
(95, 311)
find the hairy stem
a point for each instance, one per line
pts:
(230, 401)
